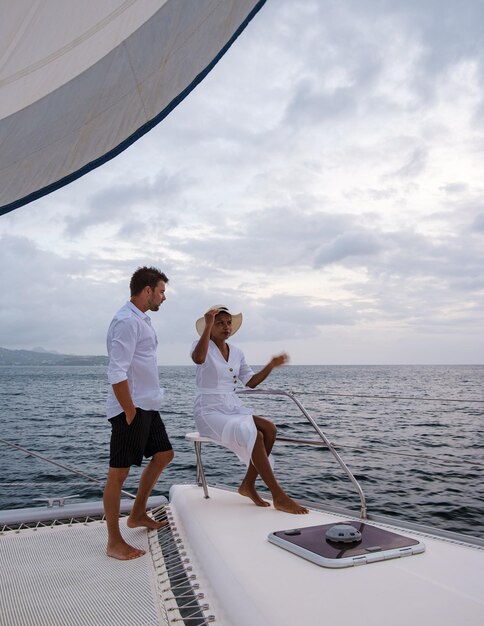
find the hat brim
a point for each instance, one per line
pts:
(236, 320)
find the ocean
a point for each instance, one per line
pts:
(412, 436)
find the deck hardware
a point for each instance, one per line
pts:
(342, 533)
(51, 502)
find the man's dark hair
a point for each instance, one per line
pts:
(145, 277)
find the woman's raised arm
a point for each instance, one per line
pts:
(199, 353)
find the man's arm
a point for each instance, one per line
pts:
(121, 349)
(123, 396)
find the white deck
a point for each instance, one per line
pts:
(249, 581)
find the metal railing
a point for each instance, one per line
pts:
(324, 439)
(73, 470)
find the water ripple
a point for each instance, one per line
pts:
(59, 412)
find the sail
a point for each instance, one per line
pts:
(81, 81)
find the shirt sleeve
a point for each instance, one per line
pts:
(194, 345)
(121, 350)
(245, 371)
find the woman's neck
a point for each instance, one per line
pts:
(223, 347)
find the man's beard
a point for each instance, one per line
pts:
(153, 306)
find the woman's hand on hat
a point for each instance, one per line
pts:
(279, 360)
(210, 317)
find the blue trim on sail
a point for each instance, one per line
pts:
(137, 134)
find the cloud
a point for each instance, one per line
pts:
(130, 200)
(415, 164)
(325, 179)
(52, 301)
(349, 244)
(454, 188)
(309, 107)
(478, 223)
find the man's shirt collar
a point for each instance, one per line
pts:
(138, 312)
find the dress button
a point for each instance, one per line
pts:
(231, 369)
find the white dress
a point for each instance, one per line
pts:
(219, 413)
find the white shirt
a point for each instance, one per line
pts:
(131, 343)
(218, 375)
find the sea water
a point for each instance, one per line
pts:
(412, 436)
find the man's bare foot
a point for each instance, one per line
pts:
(145, 521)
(123, 551)
(288, 505)
(250, 492)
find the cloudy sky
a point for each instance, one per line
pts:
(326, 179)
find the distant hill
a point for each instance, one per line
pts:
(39, 356)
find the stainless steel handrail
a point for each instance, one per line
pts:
(327, 442)
(66, 467)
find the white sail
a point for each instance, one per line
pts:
(81, 81)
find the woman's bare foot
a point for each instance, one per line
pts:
(288, 505)
(123, 551)
(145, 521)
(250, 492)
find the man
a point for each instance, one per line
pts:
(134, 398)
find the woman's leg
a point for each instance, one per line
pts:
(262, 467)
(247, 487)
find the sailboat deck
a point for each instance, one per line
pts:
(251, 581)
(60, 575)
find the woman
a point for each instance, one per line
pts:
(219, 412)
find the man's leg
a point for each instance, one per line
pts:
(247, 487)
(117, 546)
(149, 477)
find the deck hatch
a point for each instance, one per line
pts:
(376, 544)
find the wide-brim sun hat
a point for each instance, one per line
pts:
(221, 308)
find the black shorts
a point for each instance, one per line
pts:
(145, 436)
